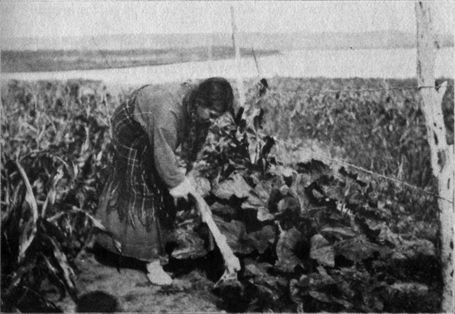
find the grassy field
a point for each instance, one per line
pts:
(379, 253)
(65, 60)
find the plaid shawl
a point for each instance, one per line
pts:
(135, 187)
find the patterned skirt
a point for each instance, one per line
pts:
(135, 206)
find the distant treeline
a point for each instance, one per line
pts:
(67, 60)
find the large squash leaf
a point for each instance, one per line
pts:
(189, 244)
(288, 244)
(322, 251)
(236, 236)
(357, 249)
(234, 185)
(263, 238)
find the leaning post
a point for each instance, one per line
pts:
(237, 61)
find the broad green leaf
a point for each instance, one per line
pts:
(287, 246)
(322, 251)
(235, 185)
(263, 238)
(280, 170)
(222, 209)
(258, 197)
(254, 269)
(289, 203)
(236, 236)
(356, 249)
(340, 233)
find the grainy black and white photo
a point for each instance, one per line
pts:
(227, 156)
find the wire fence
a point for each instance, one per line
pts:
(262, 87)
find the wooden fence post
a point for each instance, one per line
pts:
(237, 61)
(442, 155)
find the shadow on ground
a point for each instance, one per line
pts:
(109, 283)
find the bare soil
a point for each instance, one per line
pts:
(104, 286)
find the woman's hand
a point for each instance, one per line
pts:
(183, 189)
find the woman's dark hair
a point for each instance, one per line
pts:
(215, 92)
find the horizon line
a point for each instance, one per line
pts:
(218, 33)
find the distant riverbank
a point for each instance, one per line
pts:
(70, 60)
(373, 63)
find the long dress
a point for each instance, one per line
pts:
(136, 206)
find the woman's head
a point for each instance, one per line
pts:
(209, 100)
(212, 98)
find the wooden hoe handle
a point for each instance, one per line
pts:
(231, 262)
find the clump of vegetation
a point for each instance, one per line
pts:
(381, 129)
(53, 158)
(311, 236)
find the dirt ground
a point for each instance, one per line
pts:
(104, 287)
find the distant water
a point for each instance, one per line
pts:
(374, 63)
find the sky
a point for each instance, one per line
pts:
(87, 18)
